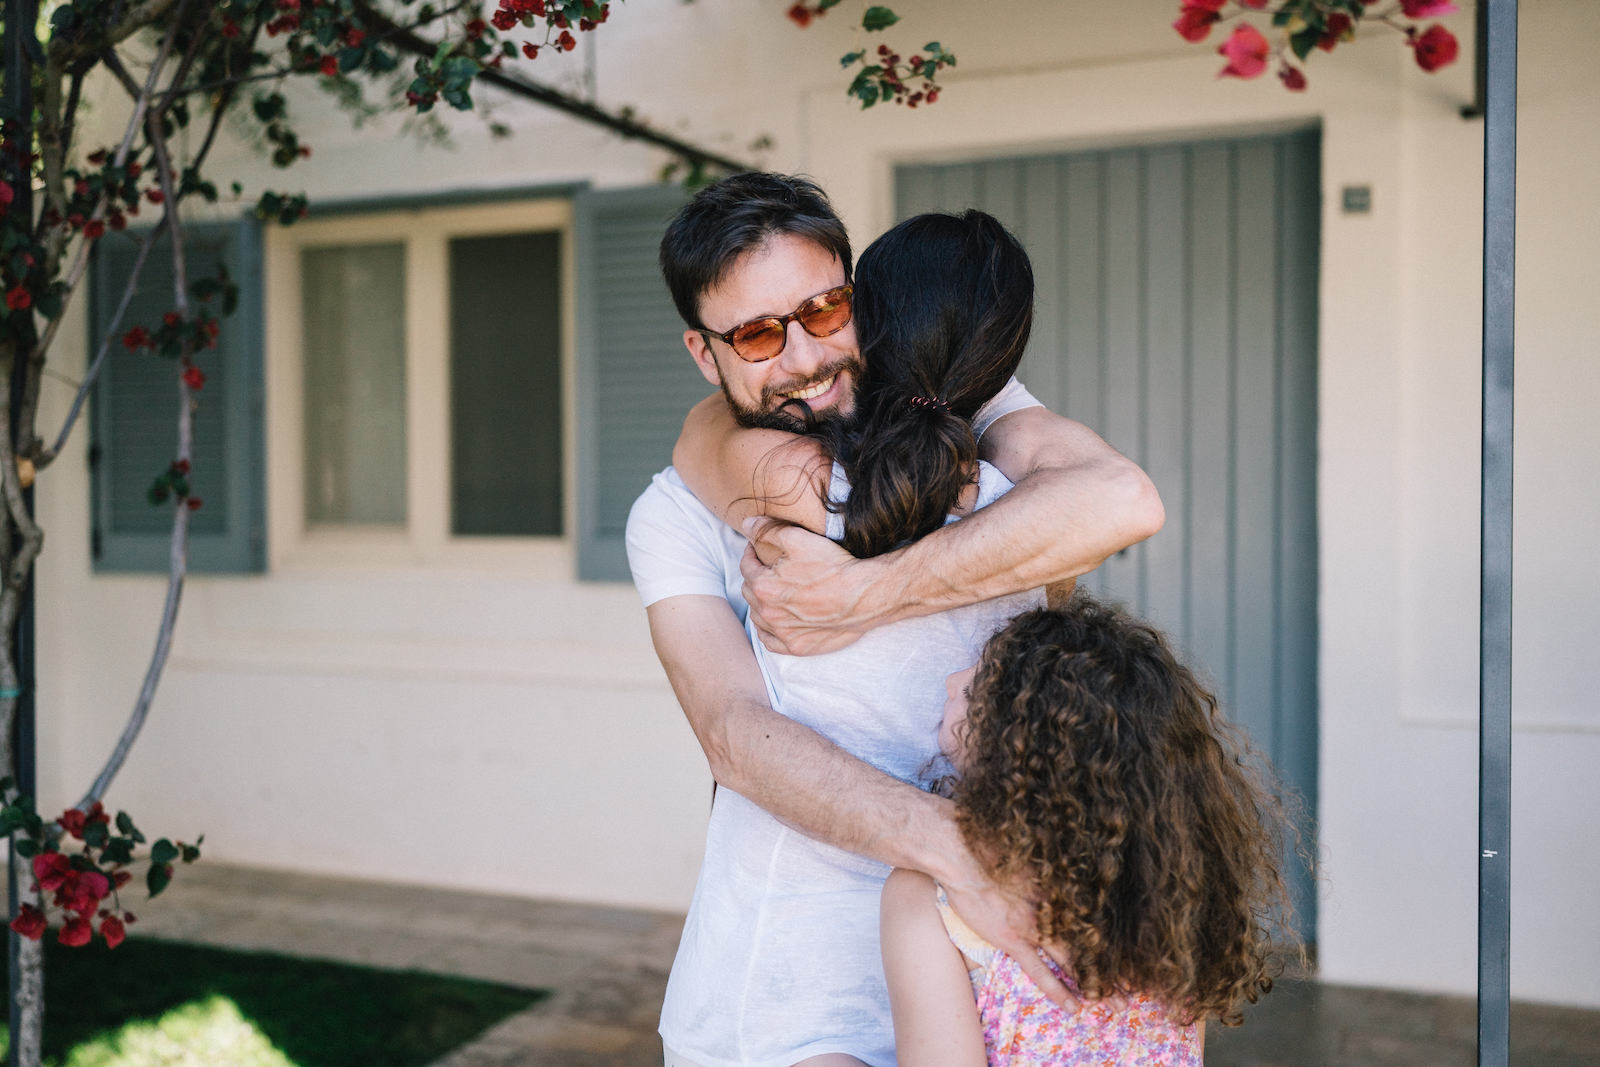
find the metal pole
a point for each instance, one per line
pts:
(21, 54)
(1494, 641)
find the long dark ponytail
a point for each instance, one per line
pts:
(943, 309)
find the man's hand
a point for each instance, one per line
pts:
(806, 594)
(1006, 922)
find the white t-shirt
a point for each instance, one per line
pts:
(779, 958)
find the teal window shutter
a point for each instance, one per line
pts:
(635, 379)
(134, 410)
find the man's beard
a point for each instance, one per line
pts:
(794, 416)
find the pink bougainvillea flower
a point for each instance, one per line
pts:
(1427, 9)
(1194, 22)
(50, 869)
(1205, 5)
(1246, 51)
(18, 297)
(1257, 4)
(1436, 48)
(84, 890)
(194, 377)
(7, 194)
(76, 933)
(72, 820)
(800, 15)
(1294, 78)
(113, 931)
(29, 922)
(1339, 28)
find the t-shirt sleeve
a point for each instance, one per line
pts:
(1013, 397)
(672, 550)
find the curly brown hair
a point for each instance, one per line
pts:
(1098, 775)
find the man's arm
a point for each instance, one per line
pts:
(807, 782)
(1077, 501)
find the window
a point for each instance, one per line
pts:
(421, 380)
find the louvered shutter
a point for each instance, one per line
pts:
(134, 411)
(635, 380)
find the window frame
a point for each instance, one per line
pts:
(424, 540)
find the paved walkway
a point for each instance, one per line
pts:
(607, 968)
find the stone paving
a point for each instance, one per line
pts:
(607, 968)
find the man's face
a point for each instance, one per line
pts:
(774, 279)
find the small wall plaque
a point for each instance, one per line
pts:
(1357, 199)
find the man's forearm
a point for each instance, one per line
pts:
(786, 768)
(1055, 525)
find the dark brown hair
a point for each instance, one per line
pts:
(736, 215)
(1099, 776)
(943, 309)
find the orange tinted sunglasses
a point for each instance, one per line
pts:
(761, 339)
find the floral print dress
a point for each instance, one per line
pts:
(1021, 1026)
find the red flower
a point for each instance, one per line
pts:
(567, 41)
(354, 36)
(134, 170)
(155, 196)
(504, 20)
(50, 869)
(475, 29)
(530, 50)
(230, 28)
(1427, 9)
(76, 933)
(1257, 4)
(97, 157)
(194, 377)
(29, 922)
(1205, 5)
(120, 878)
(18, 297)
(1339, 28)
(194, 503)
(1293, 78)
(138, 337)
(800, 15)
(83, 891)
(1246, 51)
(1436, 48)
(7, 194)
(1194, 22)
(329, 65)
(181, 466)
(72, 820)
(117, 220)
(94, 228)
(171, 318)
(113, 931)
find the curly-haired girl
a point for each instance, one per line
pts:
(1097, 776)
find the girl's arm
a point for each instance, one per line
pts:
(739, 472)
(936, 1020)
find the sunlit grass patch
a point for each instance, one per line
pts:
(152, 1003)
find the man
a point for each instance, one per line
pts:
(758, 266)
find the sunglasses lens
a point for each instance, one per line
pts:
(826, 314)
(759, 340)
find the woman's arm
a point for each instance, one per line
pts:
(739, 472)
(936, 1020)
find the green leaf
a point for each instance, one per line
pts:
(95, 835)
(851, 57)
(878, 17)
(1303, 42)
(26, 848)
(158, 878)
(190, 853)
(823, 5)
(163, 852)
(117, 850)
(125, 826)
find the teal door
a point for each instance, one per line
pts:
(1177, 316)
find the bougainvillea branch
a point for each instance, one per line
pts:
(1303, 27)
(883, 74)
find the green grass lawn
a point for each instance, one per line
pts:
(154, 1002)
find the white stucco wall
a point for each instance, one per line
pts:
(512, 732)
